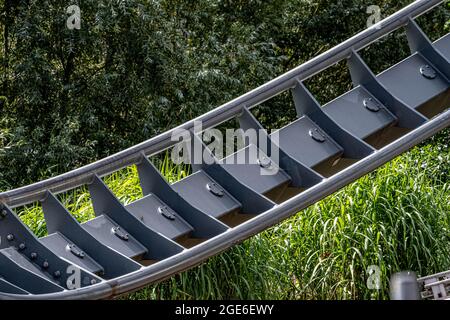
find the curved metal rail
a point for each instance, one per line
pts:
(78, 177)
(175, 227)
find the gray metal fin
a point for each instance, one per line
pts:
(105, 203)
(60, 220)
(252, 202)
(301, 175)
(306, 104)
(419, 42)
(25, 279)
(153, 182)
(16, 235)
(362, 75)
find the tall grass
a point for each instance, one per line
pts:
(396, 218)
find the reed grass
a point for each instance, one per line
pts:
(396, 218)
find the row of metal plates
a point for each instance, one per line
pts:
(174, 218)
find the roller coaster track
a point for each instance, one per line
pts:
(177, 226)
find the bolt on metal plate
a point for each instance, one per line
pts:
(3, 213)
(215, 189)
(371, 105)
(166, 213)
(265, 162)
(428, 72)
(316, 135)
(120, 234)
(76, 251)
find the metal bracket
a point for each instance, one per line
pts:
(306, 104)
(419, 42)
(29, 247)
(363, 76)
(60, 220)
(301, 175)
(105, 202)
(77, 252)
(152, 182)
(252, 202)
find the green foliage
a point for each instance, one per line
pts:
(137, 68)
(397, 218)
(134, 69)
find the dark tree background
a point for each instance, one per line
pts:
(139, 67)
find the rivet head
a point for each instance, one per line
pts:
(33, 256)
(57, 274)
(428, 72)
(10, 237)
(265, 162)
(316, 135)
(371, 105)
(22, 246)
(166, 213)
(45, 264)
(3, 213)
(215, 189)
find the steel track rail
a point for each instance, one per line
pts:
(198, 254)
(78, 177)
(132, 275)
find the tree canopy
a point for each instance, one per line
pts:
(139, 67)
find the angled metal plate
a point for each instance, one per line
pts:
(106, 260)
(102, 229)
(300, 174)
(152, 182)
(61, 246)
(419, 42)
(306, 105)
(361, 75)
(8, 287)
(296, 141)
(350, 112)
(149, 210)
(23, 247)
(245, 167)
(106, 203)
(405, 81)
(194, 189)
(24, 279)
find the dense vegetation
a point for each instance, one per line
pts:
(396, 218)
(138, 67)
